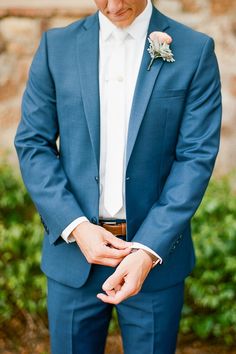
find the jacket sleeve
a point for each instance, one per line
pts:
(196, 151)
(36, 147)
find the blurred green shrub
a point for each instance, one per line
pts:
(22, 284)
(210, 305)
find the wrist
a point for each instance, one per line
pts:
(78, 229)
(148, 257)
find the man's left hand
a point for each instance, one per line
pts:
(128, 278)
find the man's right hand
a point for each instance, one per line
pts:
(100, 246)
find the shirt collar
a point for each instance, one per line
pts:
(137, 29)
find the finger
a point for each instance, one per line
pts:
(125, 292)
(109, 299)
(108, 252)
(109, 262)
(117, 242)
(111, 292)
(118, 287)
(116, 279)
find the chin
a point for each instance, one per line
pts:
(124, 23)
(121, 25)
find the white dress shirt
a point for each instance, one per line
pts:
(134, 47)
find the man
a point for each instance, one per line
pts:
(136, 151)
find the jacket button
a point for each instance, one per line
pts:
(127, 178)
(93, 220)
(97, 178)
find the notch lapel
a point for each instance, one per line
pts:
(88, 62)
(145, 83)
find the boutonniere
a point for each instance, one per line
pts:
(160, 47)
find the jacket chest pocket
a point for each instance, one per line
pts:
(168, 94)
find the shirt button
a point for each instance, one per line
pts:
(120, 78)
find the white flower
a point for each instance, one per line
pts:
(160, 47)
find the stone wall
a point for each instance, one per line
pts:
(23, 21)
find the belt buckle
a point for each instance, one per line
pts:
(109, 222)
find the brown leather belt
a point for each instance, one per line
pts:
(116, 228)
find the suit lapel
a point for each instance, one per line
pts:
(145, 83)
(88, 61)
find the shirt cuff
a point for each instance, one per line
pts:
(66, 233)
(138, 245)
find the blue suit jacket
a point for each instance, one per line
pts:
(172, 144)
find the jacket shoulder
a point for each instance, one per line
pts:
(68, 32)
(187, 35)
